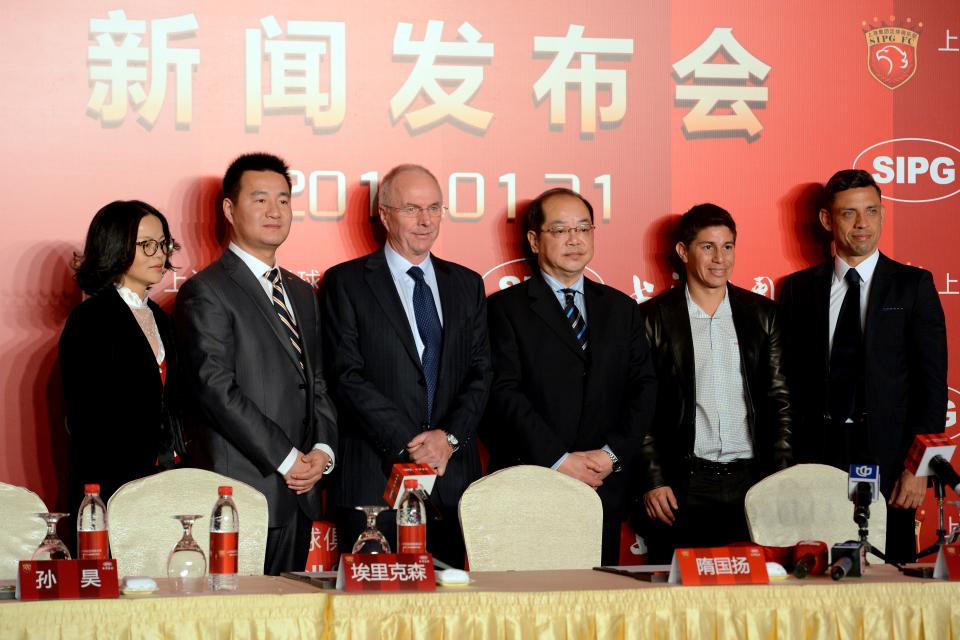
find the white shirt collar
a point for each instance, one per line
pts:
(400, 265)
(555, 285)
(695, 311)
(865, 268)
(257, 266)
(131, 298)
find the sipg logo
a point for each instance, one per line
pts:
(917, 169)
(953, 432)
(506, 274)
(892, 50)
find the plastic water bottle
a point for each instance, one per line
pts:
(411, 520)
(224, 537)
(92, 533)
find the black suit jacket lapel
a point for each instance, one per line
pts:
(134, 336)
(822, 280)
(879, 287)
(248, 283)
(544, 303)
(378, 278)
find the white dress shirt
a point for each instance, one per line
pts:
(839, 286)
(722, 431)
(404, 283)
(260, 269)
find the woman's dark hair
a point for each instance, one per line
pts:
(112, 244)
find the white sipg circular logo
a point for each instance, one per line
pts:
(912, 169)
(506, 274)
(953, 396)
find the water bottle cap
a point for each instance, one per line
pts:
(411, 483)
(226, 491)
(91, 488)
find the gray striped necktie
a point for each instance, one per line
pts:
(285, 319)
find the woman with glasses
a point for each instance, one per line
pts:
(117, 355)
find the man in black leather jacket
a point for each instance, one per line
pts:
(723, 409)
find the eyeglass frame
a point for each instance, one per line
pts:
(584, 229)
(167, 247)
(413, 211)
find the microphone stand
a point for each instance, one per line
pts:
(939, 491)
(862, 518)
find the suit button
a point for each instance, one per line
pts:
(826, 417)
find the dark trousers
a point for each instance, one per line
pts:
(444, 537)
(709, 514)
(288, 546)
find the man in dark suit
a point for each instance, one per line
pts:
(866, 354)
(408, 363)
(723, 409)
(574, 386)
(251, 337)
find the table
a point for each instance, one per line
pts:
(545, 604)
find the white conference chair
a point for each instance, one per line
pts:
(23, 531)
(529, 518)
(143, 531)
(808, 502)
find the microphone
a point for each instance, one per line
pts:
(868, 474)
(945, 472)
(926, 447)
(848, 560)
(809, 558)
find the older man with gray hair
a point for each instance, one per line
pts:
(408, 363)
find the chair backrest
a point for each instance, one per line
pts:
(23, 531)
(143, 531)
(527, 518)
(808, 502)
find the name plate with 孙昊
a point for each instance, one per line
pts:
(386, 572)
(62, 579)
(719, 565)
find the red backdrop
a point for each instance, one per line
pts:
(647, 108)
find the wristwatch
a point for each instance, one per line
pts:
(617, 467)
(453, 442)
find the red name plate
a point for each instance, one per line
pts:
(60, 579)
(386, 572)
(948, 563)
(719, 565)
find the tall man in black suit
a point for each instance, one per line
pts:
(723, 409)
(866, 354)
(574, 386)
(251, 336)
(408, 362)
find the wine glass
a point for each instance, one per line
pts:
(186, 562)
(52, 547)
(371, 540)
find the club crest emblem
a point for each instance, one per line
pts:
(892, 50)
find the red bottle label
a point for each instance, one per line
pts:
(94, 545)
(412, 538)
(223, 552)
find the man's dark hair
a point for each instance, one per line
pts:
(843, 180)
(111, 244)
(252, 162)
(533, 220)
(700, 217)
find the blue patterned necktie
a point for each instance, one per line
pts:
(285, 319)
(431, 333)
(574, 318)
